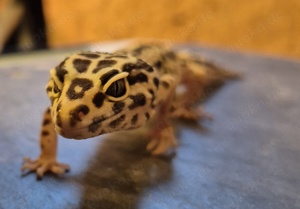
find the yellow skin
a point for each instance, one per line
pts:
(94, 93)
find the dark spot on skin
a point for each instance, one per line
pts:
(46, 122)
(45, 133)
(95, 125)
(138, 101)
(104, 64)
(158, 64)
(139, 78)
(156, 82)
(128, 67)
(42, 146)
(48, 111)
(90, 55)
(165, 84)
(144, 65)
(140, 65)
(74, 114)
(61, 71)
(147, 116)
(81, 65)
(49, 88)
(170, 55)
(151, 92)
(84, 83)
(107, 76)
(61, 65)
(153, 97)
(83, 108)
(99, 99)
(58, 120)
(55, 88)
(140, 50)
(118, 107)
(61, 74)
(134, 119)
(117, 122)
(58, 107)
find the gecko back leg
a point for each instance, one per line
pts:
(200, 79)
(162, 134)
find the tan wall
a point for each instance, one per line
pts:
(269, 26)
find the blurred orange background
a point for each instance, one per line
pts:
(270, 26)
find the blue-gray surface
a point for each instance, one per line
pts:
(248, 157)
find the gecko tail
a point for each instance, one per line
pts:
(201, 65)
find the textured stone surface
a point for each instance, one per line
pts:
(247, 157)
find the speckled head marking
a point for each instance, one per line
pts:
(96, 93)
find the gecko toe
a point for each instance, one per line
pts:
(42, 166)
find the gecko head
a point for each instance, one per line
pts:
(96, 93)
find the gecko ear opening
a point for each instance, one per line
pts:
(117, 88)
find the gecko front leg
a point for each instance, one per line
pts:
(47, 159)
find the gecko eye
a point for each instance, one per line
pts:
(116, 89)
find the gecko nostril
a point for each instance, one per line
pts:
(78, 114)
(81, 115)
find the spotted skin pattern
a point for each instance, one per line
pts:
(94, 93)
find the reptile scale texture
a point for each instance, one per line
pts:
(94, 93)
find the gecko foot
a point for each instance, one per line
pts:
(161, 141)
(43, 165)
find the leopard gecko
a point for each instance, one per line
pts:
(94, 93)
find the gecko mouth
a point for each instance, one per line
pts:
(96, 123)
(86, 130)
(83, 132)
